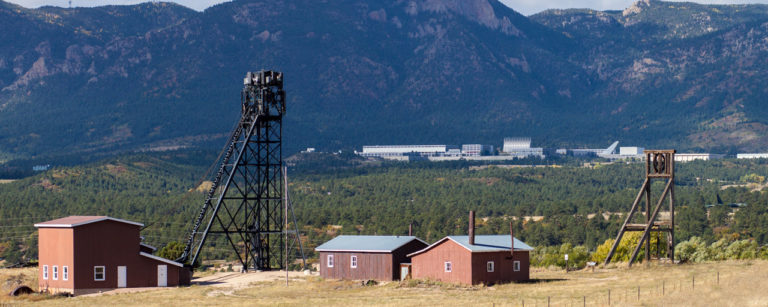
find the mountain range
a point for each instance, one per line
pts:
(362, 72)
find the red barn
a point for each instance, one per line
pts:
(367, 257)
(86, 254)
(487, 260)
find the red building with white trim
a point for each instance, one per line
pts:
(488, 260)
(86, 254)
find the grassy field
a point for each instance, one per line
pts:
(740, 284)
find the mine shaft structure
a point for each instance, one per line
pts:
(248, 202)
(659, 165)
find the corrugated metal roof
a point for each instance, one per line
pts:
(77, 220)
(490, 243)
(366, 243)
(483, 243)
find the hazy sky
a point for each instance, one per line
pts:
(527, 7)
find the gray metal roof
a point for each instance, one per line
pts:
(490, 243)
(366, 243)
(483, 243)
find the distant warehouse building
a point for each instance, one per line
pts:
(752, 156)
(631, 151)
(687, 157)
(87, 254)
(520, 147)
(475, 150)
(368, 257)
(388, 151)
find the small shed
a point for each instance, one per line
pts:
(367, 257)
(86, 254)
(489, 260)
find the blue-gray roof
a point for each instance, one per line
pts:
(366, 243)
(483, 243)
(490, 243)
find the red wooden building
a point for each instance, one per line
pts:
(86, 254)
(487, 260)
(367, 257)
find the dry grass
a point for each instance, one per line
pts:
(741, 284)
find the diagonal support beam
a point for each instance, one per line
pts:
(627, 220)
(651, 220)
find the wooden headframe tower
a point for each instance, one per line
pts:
(659, 165)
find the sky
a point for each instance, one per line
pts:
(526, 7)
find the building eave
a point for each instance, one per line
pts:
(106, 218)
(161, 259)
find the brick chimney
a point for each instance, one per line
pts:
(471, 227)
(512, 234)
(410, 229)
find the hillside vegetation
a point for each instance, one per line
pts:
(549, 206)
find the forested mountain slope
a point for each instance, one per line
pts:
(663, 74)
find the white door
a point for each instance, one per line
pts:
(162, 276)
(403, 272)
(121, 276)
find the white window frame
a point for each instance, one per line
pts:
(45, 272)
(329, 262)
(64, 272)
(516, 266)
(490, 266)
(103, 273)
(448, 266)
(353, 261)
(55, 272)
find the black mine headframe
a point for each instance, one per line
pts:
(659, 164)
(247, 202)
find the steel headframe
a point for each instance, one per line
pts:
(659, 164)
(245, 201)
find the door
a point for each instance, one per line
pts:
(403, 272)
(162, 276)
(122, 276)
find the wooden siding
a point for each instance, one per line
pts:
(55, 248)
(376, 266)
(400, 255)
(503, 267)
(430, 264)
(106, 243)
(467, 267)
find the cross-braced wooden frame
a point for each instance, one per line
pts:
(659, 164)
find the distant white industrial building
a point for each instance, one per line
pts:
(475, 150)
(600, 152)
(686, 157)
(520, 147)
(383, 151)
(752, 156)
(631, 151)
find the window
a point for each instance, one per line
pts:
(353, 262)
(98, 273)
(448, 266)
(65, 272)
(330, 261)
(489, 266)
(45, 272)
(516, 266)
(55, 272)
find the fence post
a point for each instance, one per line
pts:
(663, 284)
(718, 277)
(609, 297)
(584, 300)
(547, 301)
(638, 293)
(693, 283)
